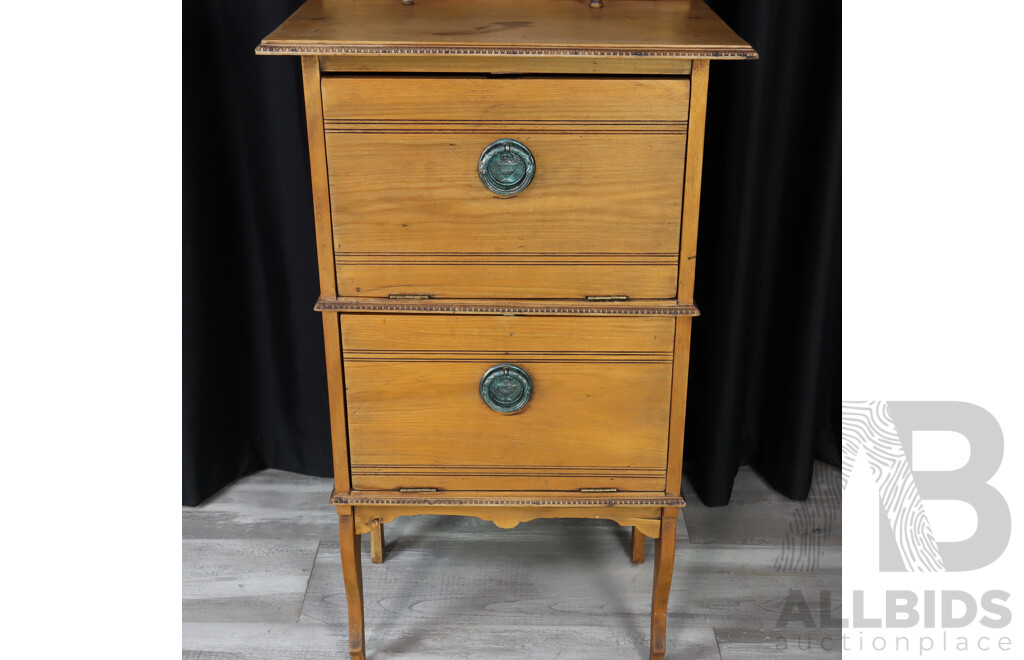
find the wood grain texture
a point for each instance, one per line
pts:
(466, 477)
(336, 396)
(245, 580)
(664, 562)
(756, 644)
(638, 66)
(455, 578)
(326, 268)
(507, 334)
(479, 101)
(440, 638)
(352, 569)
(400, 210)
(575, 432)
(268, 505)
(757, 515)
(615, 195)
(461, 588)
(637, 545)
(509, 307)
(600, 218)
(568, 574)
(377, 543)
(677, 415)
(318, 173)
(646, 518)
(721, 586)
(694, 168)
(524, 279)
(264, 640)
(639, 28)
(598, 417)
(516, 498)
(735, 587)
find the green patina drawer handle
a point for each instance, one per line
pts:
(506, 388)
(506, 167)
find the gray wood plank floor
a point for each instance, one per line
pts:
(261, 579)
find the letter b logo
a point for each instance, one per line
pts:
(883, 431)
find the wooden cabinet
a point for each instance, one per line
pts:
(506, 196)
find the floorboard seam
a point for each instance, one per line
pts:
(309, 578)
(718, 645)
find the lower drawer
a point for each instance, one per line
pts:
(596, 416)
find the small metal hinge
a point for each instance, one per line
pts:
(599, 490)
(596, 298)
(403, 296)
(417, 490)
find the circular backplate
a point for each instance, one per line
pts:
(506, 167)
(506, 388)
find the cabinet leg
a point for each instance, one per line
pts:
(664, 561)
(377, 544)
(638, 546)
(352, 567)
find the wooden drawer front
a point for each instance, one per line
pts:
(597, 418)
(411, 216)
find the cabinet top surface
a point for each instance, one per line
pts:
(621, 28)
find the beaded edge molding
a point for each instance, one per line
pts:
(623, 308)
(688, 53)
(499, 501)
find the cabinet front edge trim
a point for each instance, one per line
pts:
(561, 51)
(476, 499)
(553, 308)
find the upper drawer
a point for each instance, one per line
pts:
(448, 99)
(411, 215)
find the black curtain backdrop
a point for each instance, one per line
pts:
(764, 373)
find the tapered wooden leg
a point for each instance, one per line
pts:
(377, 544)
(638, 546)
(664, 561)
(352, 567)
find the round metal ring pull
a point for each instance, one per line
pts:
(506, 167)
(506, 388)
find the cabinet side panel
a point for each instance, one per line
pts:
(691, 193)
(677, 411)
(325, 267)
(336, 396)
(318, 174)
